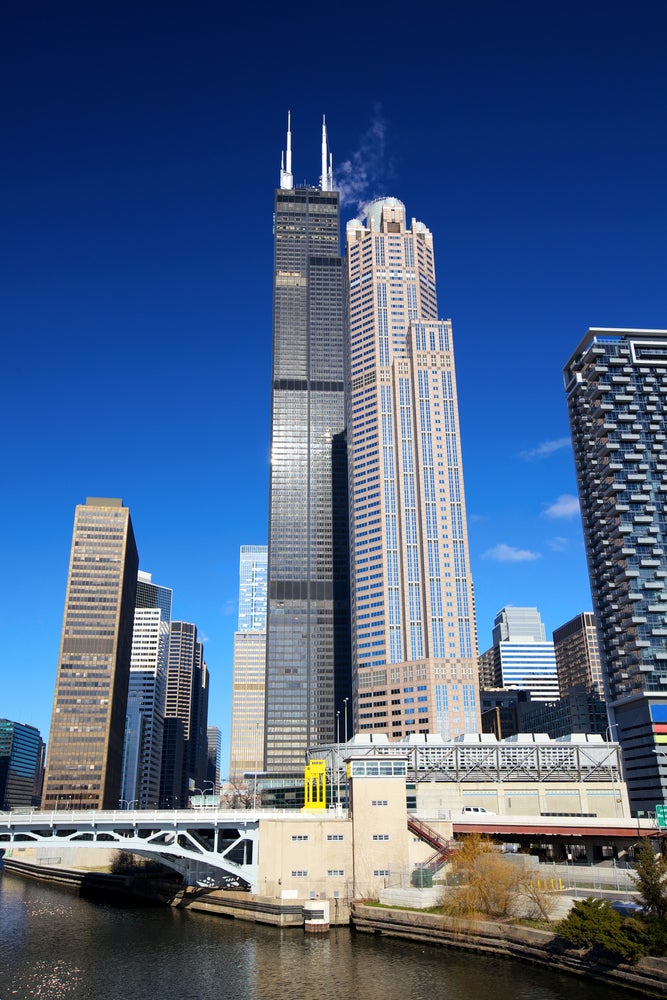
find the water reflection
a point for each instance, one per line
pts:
(54, 945)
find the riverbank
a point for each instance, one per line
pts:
(136, 888)
(540, 947)
(528, 944)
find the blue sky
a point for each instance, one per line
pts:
(141, 150)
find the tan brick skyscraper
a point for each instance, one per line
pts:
(414, 642)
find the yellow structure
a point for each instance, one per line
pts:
(315, 792)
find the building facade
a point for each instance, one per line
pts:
(186, 700)
(214, 741)
(414, 644)
(85, 755)
(21, 763)
(249, 666)
(578, 656)
(308, 660)
(523, 657)
(142, 755)
(616, 387)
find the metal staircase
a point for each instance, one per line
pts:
(443, 848)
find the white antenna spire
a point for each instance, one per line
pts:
(286, 178)
(325, 179)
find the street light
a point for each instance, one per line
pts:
(338, 761)
(345, 701)
(212, 784)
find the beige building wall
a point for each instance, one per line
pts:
(445, 800)
(413, 629)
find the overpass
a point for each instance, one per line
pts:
(205, 846)
(592, 838)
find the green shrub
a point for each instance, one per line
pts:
(591, 923)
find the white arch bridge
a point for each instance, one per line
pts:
(207, 847)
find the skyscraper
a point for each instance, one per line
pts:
(578, 656)
(21, 763)
(413, 628)
(523, 656)
(214, 742)
(142, 755)
(249, 669)
(308, 662)
(85, 754)
(616, 386)
(186, 700)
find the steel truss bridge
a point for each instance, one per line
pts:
(207, 847)
(494, 761)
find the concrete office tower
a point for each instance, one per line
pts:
(616, 386)
(142, 756)
(578, 656)
(413, 627)
(308, 658)
(249, 669)
(85, 755)
(186, 700)
(21, 763)
(523, 657)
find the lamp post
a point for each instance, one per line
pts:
(338, 761)
(212, 784)
(345, 701)
(607, 732)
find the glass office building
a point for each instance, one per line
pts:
(308, 659)
(146, 695)
(21, 763)
(249, 666)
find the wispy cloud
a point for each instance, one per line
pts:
(229, 607)
(558, 543)
(358, 179)
(565, 506)
(509, 553)
(545, 449)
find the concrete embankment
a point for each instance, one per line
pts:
(260, 909)
(146, 890)
(648, 976)
(140, 889)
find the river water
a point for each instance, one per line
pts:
(56, 946)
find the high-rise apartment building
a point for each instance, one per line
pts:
(142, 756)
(186, 700)
(413, 628)
(523, 657)
(21, 762)
(616, 386)
(249, 668)
(308, 659)
(85, 755)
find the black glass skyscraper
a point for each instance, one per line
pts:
(308, 658)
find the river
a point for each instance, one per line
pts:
(56, 946)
